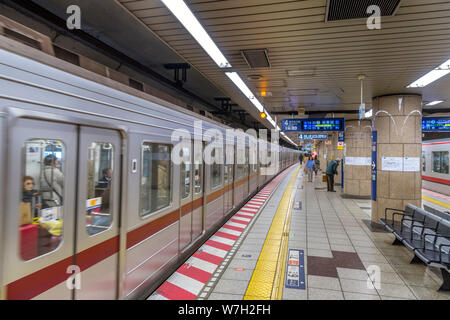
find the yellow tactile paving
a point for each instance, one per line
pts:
(440, 203)
(267, 279)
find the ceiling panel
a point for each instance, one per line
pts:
(296, 37)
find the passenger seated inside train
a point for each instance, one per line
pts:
(104, 181)
(40, 209)
(31, 197)
(100, 172)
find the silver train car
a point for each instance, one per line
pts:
(435, 166)
(91, 205)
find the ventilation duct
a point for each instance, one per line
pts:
(355, 9)
(258, 58)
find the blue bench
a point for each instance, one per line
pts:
(426, 234)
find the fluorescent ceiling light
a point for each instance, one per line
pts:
(190, 22)
(433, 103)
(245, 90)
(432, 76)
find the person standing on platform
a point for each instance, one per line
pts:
(331, 171)
(316, 165)
(300, 158)
(310, 168)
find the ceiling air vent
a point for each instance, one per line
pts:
(256, 58)
(355, 9)
(66, 55)
(22, 38)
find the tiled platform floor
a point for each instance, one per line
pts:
(340, 250)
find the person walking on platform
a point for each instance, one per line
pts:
(316, 165)
(310, 168)
(331, 171)
(300, 158)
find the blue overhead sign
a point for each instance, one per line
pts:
(291, 125)
(316, 125)
(331, 124)
(436, 124)
(313, 136)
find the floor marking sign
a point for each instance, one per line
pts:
(295, 273)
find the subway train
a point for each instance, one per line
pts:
(91, 204)
(435, 169)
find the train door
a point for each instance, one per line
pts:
(186, 198)
(199, 203)
(40, 212)
(247, 172)
(98, 207)
(229, 183)
(63, 211)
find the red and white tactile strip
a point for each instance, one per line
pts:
(187, 282)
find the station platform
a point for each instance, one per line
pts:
(296, 241)
(435, 201)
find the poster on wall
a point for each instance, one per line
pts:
(411, 164)
(392, 164)
(358, 161)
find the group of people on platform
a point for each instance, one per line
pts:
(312, 166)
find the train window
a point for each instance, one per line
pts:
(41, 204)
(230, 173)
(198, 170)
(156, 172)
(100, 168)
(225, 175)
(216, 172)
(198, 178)
(440, 162)
(185, 178)
(424, 166)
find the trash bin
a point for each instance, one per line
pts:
(324, 178)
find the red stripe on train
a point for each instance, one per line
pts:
(434, 143)
(438, 180)
(40, 281)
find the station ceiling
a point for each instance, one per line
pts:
(314, 63)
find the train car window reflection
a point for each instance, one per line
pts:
(155, 177)
(216, 172)
(440, 162)
(198, 178)
(246, 167)
(41, 205)
(185, 178)
(424, 166)
(99, 182)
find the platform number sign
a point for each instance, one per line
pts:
(295, 271)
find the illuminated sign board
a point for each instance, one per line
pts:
(316, 125)
(313, 136)
(331, 124)
(291, 125)
(436, 124)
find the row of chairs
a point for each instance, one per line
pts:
(425, 233)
